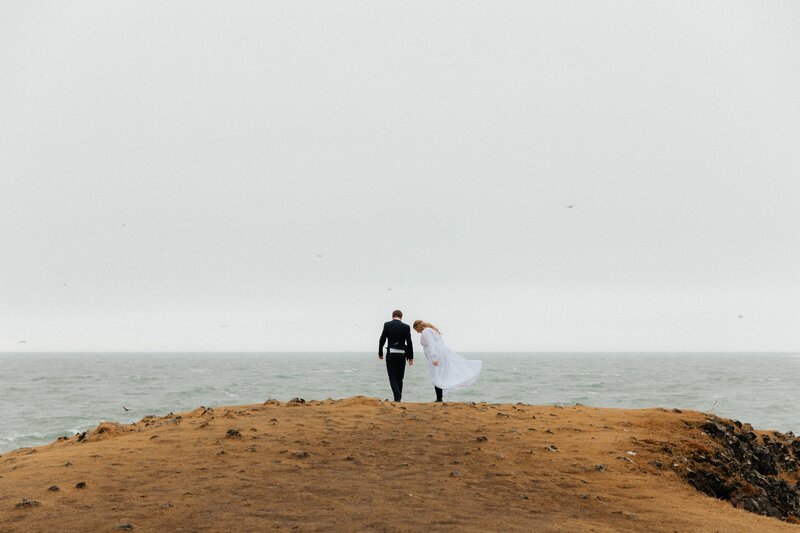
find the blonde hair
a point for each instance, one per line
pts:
(422, 325)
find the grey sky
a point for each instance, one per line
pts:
(169, 168)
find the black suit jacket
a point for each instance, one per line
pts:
(396, 335)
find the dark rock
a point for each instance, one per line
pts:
(125, 527)
(81, 436)
(751, 475)
(296, 401)
(455, 473)
(302, 454)
(80, 485)
(232, 434)
(601, 467)
(54, 488)
(482, 439)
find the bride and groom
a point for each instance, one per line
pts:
(448, 370)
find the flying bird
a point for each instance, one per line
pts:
(125, 408)
(389, 289)
(22, 342)
(740, 316)
(569, 206)
(716, 403)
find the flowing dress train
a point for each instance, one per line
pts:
(453, 372)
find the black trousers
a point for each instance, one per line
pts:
(438, 393)
(396, 367)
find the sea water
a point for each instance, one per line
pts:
(44, 396)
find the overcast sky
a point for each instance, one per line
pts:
(281, 175)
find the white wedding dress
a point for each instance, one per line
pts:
(453, 372)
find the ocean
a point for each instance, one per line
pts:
(44, 396)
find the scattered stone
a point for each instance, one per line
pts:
(26, 503)
(482, 439)
(54, 488)
(625, 459)
(629, 452)
(403, 464)
(302, 454)
(80, 485)
(455, 473)
(656, 463)
(233, 434)
(601, 467)
(676, 410)
(68, 463)
(81, 436)
(524, 497)
(502, 414)
(552, 448)
(548, 431)
(167, 506)
(125, 527)
(296, 401)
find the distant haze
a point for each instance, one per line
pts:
(281, 175)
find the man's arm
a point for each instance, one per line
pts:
(409, 346)
(381, 342)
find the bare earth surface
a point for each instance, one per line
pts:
(361, 464)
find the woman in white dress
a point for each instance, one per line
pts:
(449, 371)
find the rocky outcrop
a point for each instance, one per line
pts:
(755, 472)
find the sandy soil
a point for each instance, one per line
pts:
(362, 464)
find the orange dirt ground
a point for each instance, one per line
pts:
(362, 464)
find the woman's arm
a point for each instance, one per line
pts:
(430, 346)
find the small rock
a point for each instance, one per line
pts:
(503, 414)
(302, 454)
(482, 439)
(54, 488)
(68, 463)
(125, 527)
(552, 448)
(629, 452)
(455, 473)
(656, 463)
(232, 434)
(601, 467)
(25, 503)
(80, 485)
(676, 410)
(403, 464)
(548, 431)
(296, 401)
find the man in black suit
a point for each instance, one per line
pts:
(397, 335)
